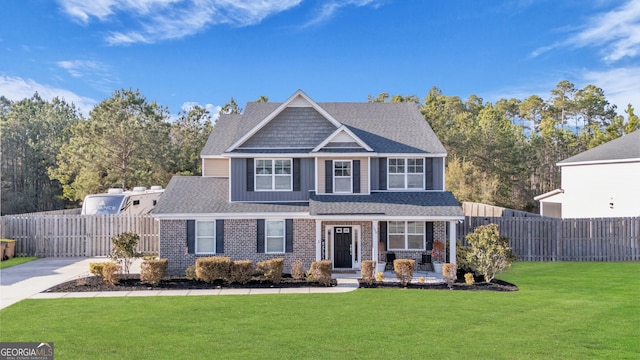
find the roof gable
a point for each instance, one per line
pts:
(342, 138)
(298, 100)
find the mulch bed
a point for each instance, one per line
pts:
(494, 285)
(133, 283)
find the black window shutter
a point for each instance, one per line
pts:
(356, 176)
(428, 173)
(288, 225)
(382, 168)
(328, 176)
(383, 233)
(250, 174)
(260, 237)
(191, 236)
(296, 174)
(219, 236)
(429, 234)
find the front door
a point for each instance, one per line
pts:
(342, 247)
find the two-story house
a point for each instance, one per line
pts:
(600, 182)
(310, 181)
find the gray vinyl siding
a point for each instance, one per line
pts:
(239, 184)
(295, 127)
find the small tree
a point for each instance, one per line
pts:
(124, 249)
(490, 253)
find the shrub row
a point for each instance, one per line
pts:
(151, 271)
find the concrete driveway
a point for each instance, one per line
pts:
(26, 280)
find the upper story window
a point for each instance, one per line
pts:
(406, 173)
(342, 176)
(273, 174)
(205, 237)
(406, 235)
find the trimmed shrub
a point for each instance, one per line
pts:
(449, 273)
(96, 268)
(404, 269)
(241, 271)
(379, 276)
(152, 271)
(367, 271)
(212, 268)
(272, 269)
(190, 273)
(490, 252)
(297, 270)
(111, 272)
(321, 271)
(469, 279)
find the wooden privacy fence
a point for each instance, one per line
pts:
(77, 235)
(549, 239)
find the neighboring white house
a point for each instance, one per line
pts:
(600, 182)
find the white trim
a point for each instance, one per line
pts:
(236, 216)
(284, 236)
(273, 174)
(195, 235)
(333, 176)
(414, 155)
(406, 174)
(278, 110)
(406, 236)
(596, 162)
(212, 157)
(548, 194)
(356, 241)
(336, 133)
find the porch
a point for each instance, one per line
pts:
(430, 277)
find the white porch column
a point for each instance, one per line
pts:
(452, 242)
(374, 243)
(318, 240)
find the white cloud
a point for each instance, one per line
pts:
(621, 86)
(17, 88)
(616, 32)
(172, 19)
(214, 110)
(99, 75)
(330, 8)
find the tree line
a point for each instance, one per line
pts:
(502, 154)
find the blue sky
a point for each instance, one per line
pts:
(207, 51)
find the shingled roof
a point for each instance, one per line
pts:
(626, 147)
(387, 204)
(209, 195)
(385, 127)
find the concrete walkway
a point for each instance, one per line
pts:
(29, 280)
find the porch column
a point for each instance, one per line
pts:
(318, 240)
(452, 242)
(374, 243)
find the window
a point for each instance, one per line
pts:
(275, 236)
(205, 237)
(342, 176)
(406, 173)
(273, 174)
(406, 235)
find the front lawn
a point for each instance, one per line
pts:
(562, 311)
(16, 261)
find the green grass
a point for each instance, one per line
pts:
(16, 261)
(562, 311)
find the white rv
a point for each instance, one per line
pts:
(140, 200)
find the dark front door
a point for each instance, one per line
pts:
(342, 248)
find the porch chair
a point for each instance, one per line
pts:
(428, 266)
(390, 257)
